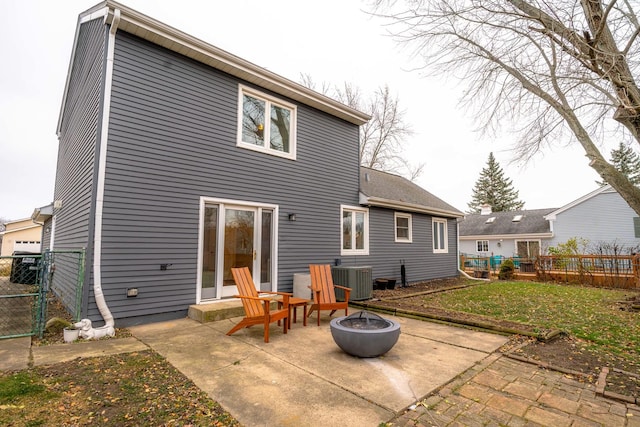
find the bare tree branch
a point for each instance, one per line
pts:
(382, 138)
(553, 70)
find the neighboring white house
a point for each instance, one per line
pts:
(523, 233)
(22, 235)
(601, 217)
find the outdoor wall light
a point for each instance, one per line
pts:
(132, 292)
(292, 217)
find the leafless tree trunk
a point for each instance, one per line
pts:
(558, 71)
(381, 138)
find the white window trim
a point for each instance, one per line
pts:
(204, 201)
(395, 227)
(354, 251)
(242, 90)
(445, 237)
(478, 241)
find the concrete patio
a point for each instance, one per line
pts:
(303, 378)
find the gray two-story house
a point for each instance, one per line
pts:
(178, 160)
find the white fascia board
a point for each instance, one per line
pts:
(28, 227)
(410, 207)
(98, 11)
(508, 236)
(164, 35)
(42, 214)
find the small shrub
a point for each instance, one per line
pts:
(506, 270)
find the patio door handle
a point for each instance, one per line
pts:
(254, 254)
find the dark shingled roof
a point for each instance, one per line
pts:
(392, 191)
(532, 222)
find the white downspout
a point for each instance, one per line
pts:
(97, 240)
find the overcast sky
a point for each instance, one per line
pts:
(331, 40)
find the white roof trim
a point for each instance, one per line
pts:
(552, 216)
(411, 207)
(42, 214)
(147, 28)
(547, 235)
(27, 227)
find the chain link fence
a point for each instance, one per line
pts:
(21, 295)
(65, 279)
(28, 282)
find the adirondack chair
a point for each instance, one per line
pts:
(323, 289)
(257, 310)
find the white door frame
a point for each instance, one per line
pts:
(229, 203)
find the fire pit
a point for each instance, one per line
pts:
(365, 334)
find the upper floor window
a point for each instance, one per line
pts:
(403, 227)
(355, 230)
(266, 124)
(440, 244)
(482, 245)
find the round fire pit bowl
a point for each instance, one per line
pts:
(365, 334)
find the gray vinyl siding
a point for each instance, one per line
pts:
(385, 254)
(79, 129)
(604, 218)
(172, 139)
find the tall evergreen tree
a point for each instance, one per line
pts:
(626, 161)
(492, 188)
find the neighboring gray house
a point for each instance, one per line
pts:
(600, 217)
(523, 233)
(178, 160)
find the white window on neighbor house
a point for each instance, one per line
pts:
(355, 230)
(482, 245)
(266, 124)
(403, 227)
(440, 245)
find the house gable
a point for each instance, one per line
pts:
(600, 217)
(160, 34)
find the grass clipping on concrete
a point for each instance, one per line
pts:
(123, 390)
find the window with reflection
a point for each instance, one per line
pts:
(266, 124)
(355, 231)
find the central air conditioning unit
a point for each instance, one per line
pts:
(358, 279)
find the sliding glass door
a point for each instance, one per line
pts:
(235, 236)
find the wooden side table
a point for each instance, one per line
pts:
(295, 303)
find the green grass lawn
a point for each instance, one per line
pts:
(593, 314)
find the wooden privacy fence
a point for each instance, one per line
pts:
(616, 271)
